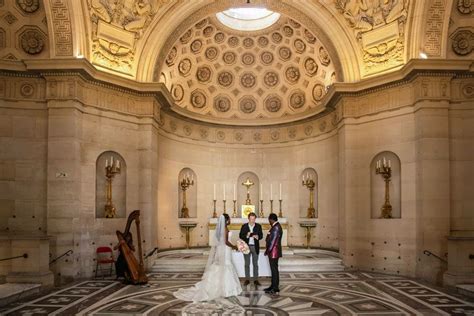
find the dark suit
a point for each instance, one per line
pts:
(254, 249)
(274, 252)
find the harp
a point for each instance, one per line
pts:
(136, 269)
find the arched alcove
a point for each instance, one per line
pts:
(305, 194)
(377, 184)
(190, 177)
(118, 180)
(242, 192)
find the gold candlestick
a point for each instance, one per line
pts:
(385, 169)
(260, 214)
(280, 214)
(110, 171)
(310, 184)
(214, 214)
(185, 183)
(271, 206)
(224, 206)
(234, 214)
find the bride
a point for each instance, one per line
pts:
(220, 278)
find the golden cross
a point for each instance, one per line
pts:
(248, 183)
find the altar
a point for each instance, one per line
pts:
(236, 224)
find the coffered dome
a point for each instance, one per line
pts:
(226, 76)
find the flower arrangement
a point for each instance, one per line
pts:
(243, 247)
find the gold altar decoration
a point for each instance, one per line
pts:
(261, 214)
(111, 169)
(246, 210)
(385, 169)
(310, 184)
(185, 183)
(248, 184)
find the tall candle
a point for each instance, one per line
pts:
(280, 191)
(112, 161)
(271, 191)
(106, 163)
(118, 164)
(261, 191)
(389, 164)
(214, 191)
(223, 193)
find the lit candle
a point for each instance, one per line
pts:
(223, 193)
(384, 162)
(389, 164)
(214, 191)
(118, 164)
(271, 191)
(280, 191)
(106, 163)
(234, 193)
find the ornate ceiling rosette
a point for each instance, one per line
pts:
(225, 76)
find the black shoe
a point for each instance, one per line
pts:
(247, 282)
(256, 283)
(268, 289)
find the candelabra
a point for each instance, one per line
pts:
(310, 184)
(260, 214)
(185, 183)
(280, 214)
(214, 214)
(110, 171)
(234, 214)
(271, 206)
(385, 169)
(224, 206)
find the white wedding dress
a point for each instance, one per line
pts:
(220, 279)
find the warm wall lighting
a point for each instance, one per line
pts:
(423, 55)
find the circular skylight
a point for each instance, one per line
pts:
(248, 19)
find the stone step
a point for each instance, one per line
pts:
(12, 292)
(294, 260)
(466, 289)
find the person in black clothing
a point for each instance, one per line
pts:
(274, 252)
(251, 233)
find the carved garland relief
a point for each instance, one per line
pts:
(116, 28)
(371, 21)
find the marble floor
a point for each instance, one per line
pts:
(328, 293)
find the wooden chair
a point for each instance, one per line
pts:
(105, 256)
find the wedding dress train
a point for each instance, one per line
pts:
(220, 279)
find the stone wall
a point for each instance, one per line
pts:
(54, 126)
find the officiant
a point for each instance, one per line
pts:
(251, 233)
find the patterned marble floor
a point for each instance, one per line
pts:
(341, 293)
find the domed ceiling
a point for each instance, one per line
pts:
(226, 76)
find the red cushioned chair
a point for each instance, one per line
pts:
(105, 256)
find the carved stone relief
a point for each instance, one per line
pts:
(371, 21)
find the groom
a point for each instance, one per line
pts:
(274, 252)
(251, 233)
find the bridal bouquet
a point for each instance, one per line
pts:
(243, 247)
